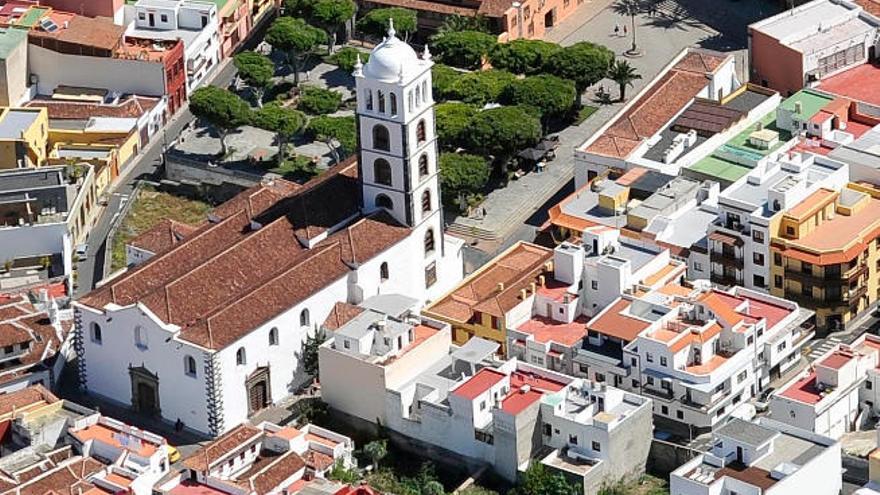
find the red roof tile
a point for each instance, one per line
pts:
(162, 236)
(132, 106)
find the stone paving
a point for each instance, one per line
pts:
(676, 25)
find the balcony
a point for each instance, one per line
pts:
(851, 275)
(727, 279)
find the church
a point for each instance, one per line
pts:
(210, 329)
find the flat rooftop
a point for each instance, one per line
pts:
(15, 121)
(797, 27)
(545, 330)
(860, 83)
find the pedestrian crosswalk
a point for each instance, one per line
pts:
(820, 347)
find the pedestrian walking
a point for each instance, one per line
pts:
(624, 29)
(616, 29)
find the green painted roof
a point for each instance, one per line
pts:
(811, 102)
(32, 16)
(722, 169)
(10, 38)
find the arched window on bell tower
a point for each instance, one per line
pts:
(421, 135)
(423, 165)
(383, 201)
(380, 96)
(381, 138)
(382, 172)
(393, 99)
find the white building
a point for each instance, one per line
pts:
(406, 374)
(262, 459)
(765, 457)
(211, 330)
(194, 22)
(739, 240)
(836, 393)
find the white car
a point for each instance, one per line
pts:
(82, 251)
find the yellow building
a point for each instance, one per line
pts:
(825, 253)
(124, 138)
(23, 137)
(482, 304)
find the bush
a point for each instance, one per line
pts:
(522, 56)
(481, 87)
(452, 119)
(319, 101)
(346, 57)
(463, 49)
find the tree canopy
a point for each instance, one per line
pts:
(584, 63)
(296, 39)
(284, 122)
(256, 70)
(375, 22)
(480, 87)
(221, 108)
(503, 131)
(442, 78)
(319, 101)
(456, 22)
(461, 173)
(338, 133)
(463, 49)
(452, 119)
(332, 15)
(553, 96)
(538, 480)
(522, 56)
(346, 57)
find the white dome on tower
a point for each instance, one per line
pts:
(391, 59)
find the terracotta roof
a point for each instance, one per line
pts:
(484, 380)
(515, 269)
(428, 6)
(750, 475)
(616, 322)
(202, 459)
(229, 277)
(23, 399)
(97, 32)
(65, 479)
(21, 321)
(723, 311)
(162, 236)
(132, 106)
(270, 477)
(658, 104)
(341, 314)
(546, 330)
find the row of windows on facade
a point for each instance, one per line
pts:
(382, 137)
(415, 99)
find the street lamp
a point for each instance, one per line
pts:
(632, 11)
(519, 19)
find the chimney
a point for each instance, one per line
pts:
(798, 107)
(542, 280)
(500, 286)
(534, 287)
(523, 294)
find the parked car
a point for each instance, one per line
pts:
(762, 404)
(173, 453)
(82, 251)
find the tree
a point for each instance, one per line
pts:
(477, 490)
(332, 16)
(456, 22)
(451, 120)
(256, 70)
(624, 75)
(522, 56)
(284, 122)
(480, 87)
(503, 131)
(463, 49)
(442, 78)
(319, 101)
(538, 480)
(295, 39)
(462, 175)
(376, 450)
(553, 96)
(339, 473)
(310, 352)
(297, 8)
(338, 133)
(221, 108)
(346, 57)
(584, 63)
(375, 22)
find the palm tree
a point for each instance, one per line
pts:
(377, 449)
(624, 75)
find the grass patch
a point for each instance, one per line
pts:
(645, 485)
(584, 113)
(150, 207)
(299, 168)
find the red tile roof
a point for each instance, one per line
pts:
(341, 314)
(23, 399)
(229, 277)
(615, 322)
(202, 459)
(162, 236)
(546, 330)
(131, 106)
(21, 321)
(485, 379)
(658, 104)
(93, 32)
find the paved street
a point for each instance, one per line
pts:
(676, 25)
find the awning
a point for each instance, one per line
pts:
(725, 238)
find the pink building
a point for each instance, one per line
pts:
(90, 8)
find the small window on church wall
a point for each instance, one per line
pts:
(429, 242)
(381, 139)
(382, 172)
(381, 100)
(368, 98)
(420, 132)
(426, 202)
(393, 100)
(409, 100)
(240, 357)
(189, 365)
(418, 96)
(424, 91)
(383, 201)
(383, 271)
(423, 165)
(273, 336)
(140, 337)
(304, 319)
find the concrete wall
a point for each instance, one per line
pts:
(13, 72)
(774, 65)
(630, 445)
(126, 76)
